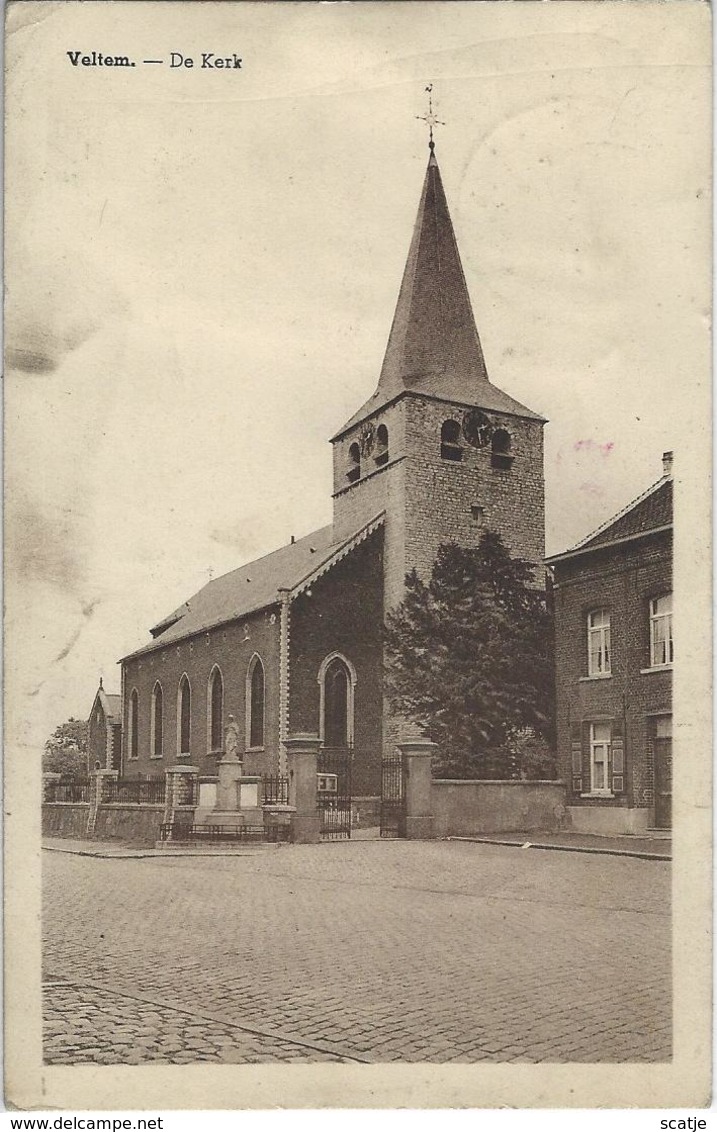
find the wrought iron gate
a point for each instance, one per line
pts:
(393, 797)
(334, 792)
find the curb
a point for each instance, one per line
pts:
(145, 854)
(641, 854)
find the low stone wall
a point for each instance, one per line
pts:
(115, 821)
(463, 808)
(127, 822)
(65, 819)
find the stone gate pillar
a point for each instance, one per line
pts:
(181, 794)
(302, 753)
(417, 755)
(99, 790)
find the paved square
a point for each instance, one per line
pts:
(358, 951)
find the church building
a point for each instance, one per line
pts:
(292, 643)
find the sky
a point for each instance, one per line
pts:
(202, 268)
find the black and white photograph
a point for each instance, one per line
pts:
(358, 537)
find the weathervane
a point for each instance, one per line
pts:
(430, 118)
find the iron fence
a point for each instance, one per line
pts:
(276, 790)
(149, 791)
(68, 790)
(393, 797)
(185, 834)
(333, 795)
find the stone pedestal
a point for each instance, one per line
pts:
(417, 755)
(229, 772)
(302, 753)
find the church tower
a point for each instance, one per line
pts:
(439, 448)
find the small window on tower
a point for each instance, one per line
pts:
(354, 469)
(500, 450)
(381, 456)
(451, 447)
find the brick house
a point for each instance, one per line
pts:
(293, 642)
(614, 655)
(104, 731)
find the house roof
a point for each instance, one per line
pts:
(257, 584)
(651, 511)
(434, 347)
(111, 704)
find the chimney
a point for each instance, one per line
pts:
(667, 463)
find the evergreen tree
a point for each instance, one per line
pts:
(469, 658)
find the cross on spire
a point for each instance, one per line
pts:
(430, 118)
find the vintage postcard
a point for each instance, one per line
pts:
(358, 753)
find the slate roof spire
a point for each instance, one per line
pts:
(433, 346)
(433, 338)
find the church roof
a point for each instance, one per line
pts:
(650, 512)
(433, 347)
(256, 585)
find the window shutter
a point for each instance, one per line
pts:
(618, 757)
(576, 748)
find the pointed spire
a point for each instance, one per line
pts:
(433, 347)
(433, 340)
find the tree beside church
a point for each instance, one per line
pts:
(469, 658)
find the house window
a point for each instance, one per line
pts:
(184, 716)
(133, 725)
(157, 722)
(599, 643)
(500, 456)
(661, 649)
(600, 738)
(255, 703)
(451, 447)
(216, 710)
(354, 468)
(381, 456)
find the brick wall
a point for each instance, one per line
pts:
(343, 613)
(621, 580)
(231, 647)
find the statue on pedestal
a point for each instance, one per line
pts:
(231, 739)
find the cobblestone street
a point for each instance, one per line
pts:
(359, 951)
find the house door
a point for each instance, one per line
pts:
(663, 773)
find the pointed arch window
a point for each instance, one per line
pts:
(381, 456)
(215, 713)
(133, 751)
(255, 703)
(184, 716)
(157, 722)
(337, 679)
(501, 443)
(451, 447)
